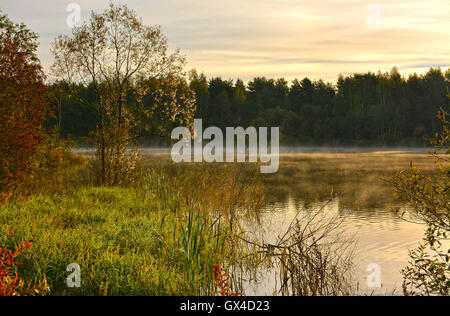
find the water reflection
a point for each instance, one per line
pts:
(354, 184)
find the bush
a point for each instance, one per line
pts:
(429, 270)
(10, 282)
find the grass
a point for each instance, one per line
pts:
(170, 230)
(141, 240)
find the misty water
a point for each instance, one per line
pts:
(349, 183)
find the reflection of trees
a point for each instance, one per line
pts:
(355, 179)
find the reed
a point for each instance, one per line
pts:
(152, 238)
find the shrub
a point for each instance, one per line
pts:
(10, 282)
(429, 270)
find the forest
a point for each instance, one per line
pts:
(123, 222)
(370, 109)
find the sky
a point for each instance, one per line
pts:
(319, 39)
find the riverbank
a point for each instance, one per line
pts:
(148, 239)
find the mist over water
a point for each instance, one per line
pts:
(352, 185)
(285, 149)
(353, 181)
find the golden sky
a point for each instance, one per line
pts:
(277, 38)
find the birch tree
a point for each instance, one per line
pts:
(117, 55)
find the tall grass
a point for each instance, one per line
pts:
(175, 230)
(149, 239)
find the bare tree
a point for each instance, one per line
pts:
(118, 56)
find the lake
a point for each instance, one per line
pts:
(350, 184)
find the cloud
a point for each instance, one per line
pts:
(283, 38)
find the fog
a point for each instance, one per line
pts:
(286, 149)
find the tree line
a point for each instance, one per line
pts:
(361, 109)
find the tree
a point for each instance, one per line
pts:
(23, 105)
(429, 269)
(361, 109)
(221, 96)
(435, 85)
(73, 117)
(119, 56)
(239, 98)
(20, 34)
(199, 84)
(301, 93)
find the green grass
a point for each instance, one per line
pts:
(144, 240)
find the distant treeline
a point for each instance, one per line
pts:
(362, 109)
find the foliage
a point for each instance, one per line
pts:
(223, 282)
(58, 168)
(429, 269)
(20, 34)
(23, 106)
(10, 282)
(151, 239)
(362, 109)
(119, 57)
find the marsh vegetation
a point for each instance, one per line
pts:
(139, 224)
(343, 186)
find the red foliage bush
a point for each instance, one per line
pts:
(10, 282)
